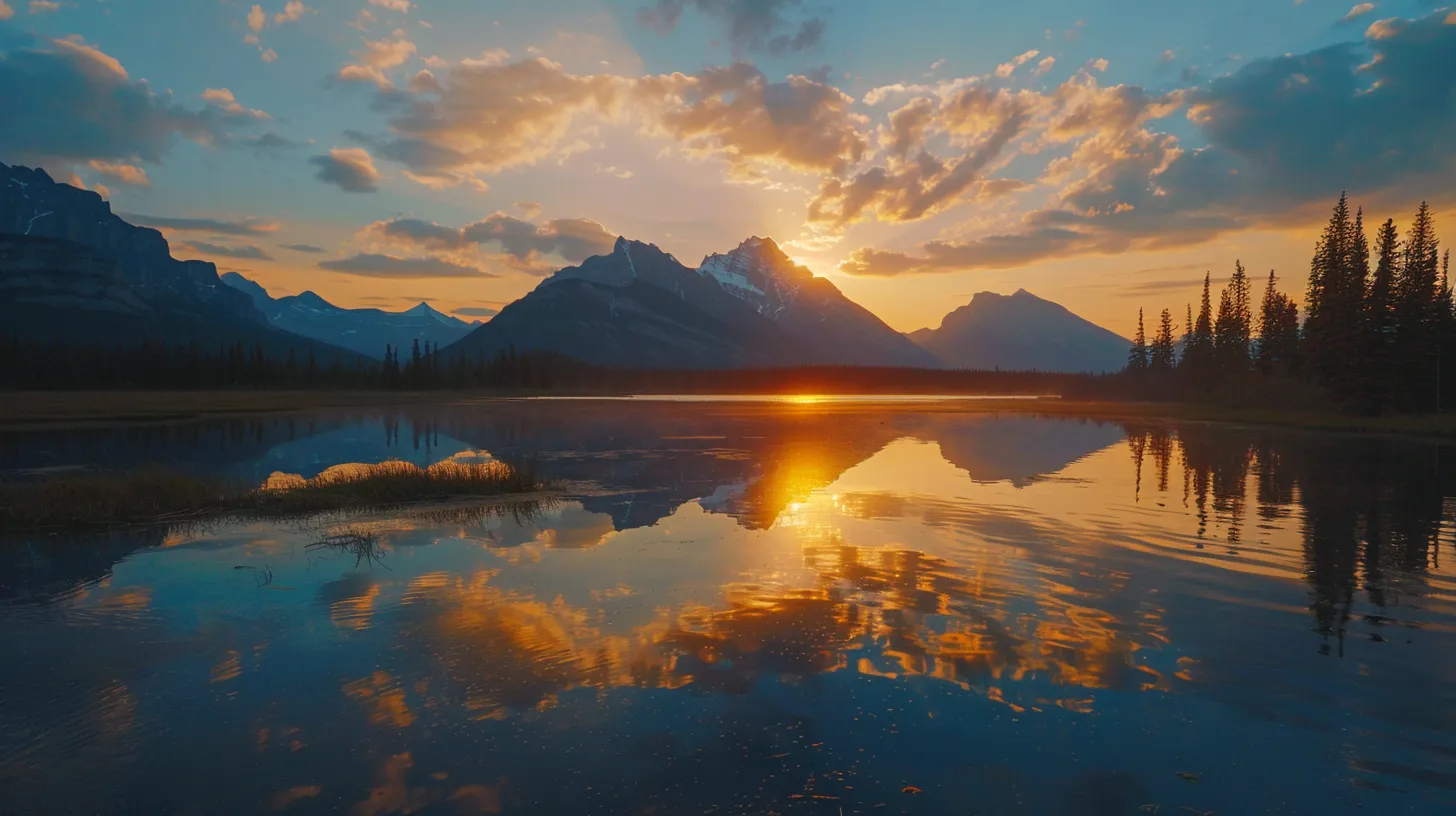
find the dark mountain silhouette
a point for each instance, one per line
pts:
(636, 307)
(365, 331)
(72, 272)
(827, 327)
(34, 206)
(1022, 332)
(640, 307)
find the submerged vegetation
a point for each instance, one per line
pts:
(157, 494)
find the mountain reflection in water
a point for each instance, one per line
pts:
(751, 608)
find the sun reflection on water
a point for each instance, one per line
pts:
(934, 568)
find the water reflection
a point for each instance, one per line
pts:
(746, 608)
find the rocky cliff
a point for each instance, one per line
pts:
(34, 205)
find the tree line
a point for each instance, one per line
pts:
(152, 364)
(1376, 324)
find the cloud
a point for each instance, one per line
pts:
(1332, 118)
(123, 173)
(914, 183)
(349, 168)
(986, 125)
(43, 6)
(375, 59)
(753, 25)
(476, 118)
(292, 12)
(309, 248)
(572, 239)
(456, 123)
(1045, 66)
(6, 12)
(737, 114)
(246, 251)
(257, 19)
(66, 101)
(612, 170)
(246, 226)
(1360, 10)
(1006, 69)
(476, 311)
(992, 252)
(101, 189)
(223, 100)
(390, 266)
(401, 6)
(1279, 138)
(531, 209)
(271, 144)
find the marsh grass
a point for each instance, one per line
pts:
(156, 494)
(363, 546)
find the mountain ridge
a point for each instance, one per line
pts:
(72, 272)
(1021, 331)
(638, 306)
(364, 331)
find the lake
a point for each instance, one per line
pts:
(749, 607)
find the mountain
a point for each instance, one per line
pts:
(73, 272)
(1022, 332)
(826, 326)
(636, 307)
(365, 331)
(640, 307)
(34, 205)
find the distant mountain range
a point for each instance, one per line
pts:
(640, 306)
(72, 271)
(1022, 332)
(365, 331)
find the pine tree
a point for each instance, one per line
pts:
(1417, 315)
(1378, 357)
(1445, 322)
(1137, 356)
(1163, 357)
(1323, 300)
(1278, 331)
(1358, 271)
(1233, 327)
(1198, 352)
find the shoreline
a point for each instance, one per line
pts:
(61, 410)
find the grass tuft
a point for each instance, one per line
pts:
(156, 494)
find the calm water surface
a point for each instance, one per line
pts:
(751, 608)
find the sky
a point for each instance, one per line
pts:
(1101, 153)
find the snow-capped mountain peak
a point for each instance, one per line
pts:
(759, 272)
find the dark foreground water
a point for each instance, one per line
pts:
(741, 608)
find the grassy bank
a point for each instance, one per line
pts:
(159, 495)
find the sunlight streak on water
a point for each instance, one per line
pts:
(762, 612)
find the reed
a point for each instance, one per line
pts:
(157, 494)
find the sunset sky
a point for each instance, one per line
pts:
(1100, 153)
